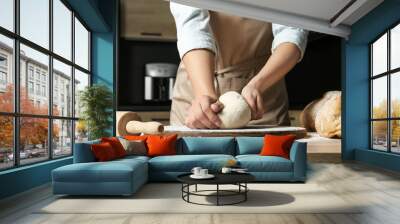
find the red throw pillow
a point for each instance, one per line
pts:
(277, 145)
(103, 152)
(116, 145)
(135, 137)
(161, 145)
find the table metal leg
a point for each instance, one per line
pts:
(245, 193)
(217, 194)
(182, 190)
(195, 188)
(188, 190)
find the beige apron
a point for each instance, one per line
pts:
(243, 48)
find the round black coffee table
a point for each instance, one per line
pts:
(238, 179)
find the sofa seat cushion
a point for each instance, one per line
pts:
(133, 158)
(185, 163)
(113, 171)
(257, 163)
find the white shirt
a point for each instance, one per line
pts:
(194, 31)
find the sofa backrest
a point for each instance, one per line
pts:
(191, 146)
(206, 145)
(249, 145)
(83, 152)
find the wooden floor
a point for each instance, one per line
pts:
(353, 182)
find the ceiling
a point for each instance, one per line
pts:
(333, 17)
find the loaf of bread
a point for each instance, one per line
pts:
(324, 115)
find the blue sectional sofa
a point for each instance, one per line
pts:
(125, 176)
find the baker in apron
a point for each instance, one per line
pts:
(241, 52)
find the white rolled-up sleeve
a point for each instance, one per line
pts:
(289, 34)
(193, 29)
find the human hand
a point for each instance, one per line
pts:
(253, 97)
(203, 113)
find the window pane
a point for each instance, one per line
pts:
(81, 45)
(379, 55)
(395, 47)
(81, 81)
(379, 97)
(6, 74)
(33, 139)
(35, 21)
(7, 14)
(62, 29)
(395, 94)
(81, 131)
(6, 142)
(379, 135)
(62, 138)
(34, 96)
(395, 138)
(62, 89)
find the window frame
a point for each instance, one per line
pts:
(16, 114)
(388, 74)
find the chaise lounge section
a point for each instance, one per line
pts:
(88, 177)
(125, 176)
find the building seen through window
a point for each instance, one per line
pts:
(50, 135)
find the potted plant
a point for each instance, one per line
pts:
(96, 110)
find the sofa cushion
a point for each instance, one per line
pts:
(135, 137)
(161, 145)
(103, 152)
(185, 163)
(249, 145)
(134, 147)
(206, 145)
(116, 145)
(257, 163)
(112, 171)
(277, 145)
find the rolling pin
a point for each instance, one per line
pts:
(150, 127)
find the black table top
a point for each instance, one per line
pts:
(220, 178)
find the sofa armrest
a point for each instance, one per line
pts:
(298, 155)
(83, 152)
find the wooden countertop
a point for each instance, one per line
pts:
(318, 144)
(253, 130)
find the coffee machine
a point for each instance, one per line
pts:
(159, 81)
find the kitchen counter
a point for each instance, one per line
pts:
(254, 130)
(321, 149)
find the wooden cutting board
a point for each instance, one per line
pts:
(253, 130)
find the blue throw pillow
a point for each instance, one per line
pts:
(83, 153)
(249, 145)
(206, 145)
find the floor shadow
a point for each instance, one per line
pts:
(256, 198)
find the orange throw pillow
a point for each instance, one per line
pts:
(277, 145)
(116, 145)
(135, 137)
(103, 152)
(161, 145)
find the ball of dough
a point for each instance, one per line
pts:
(328, 119)
(307, 116)
(236, 112)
